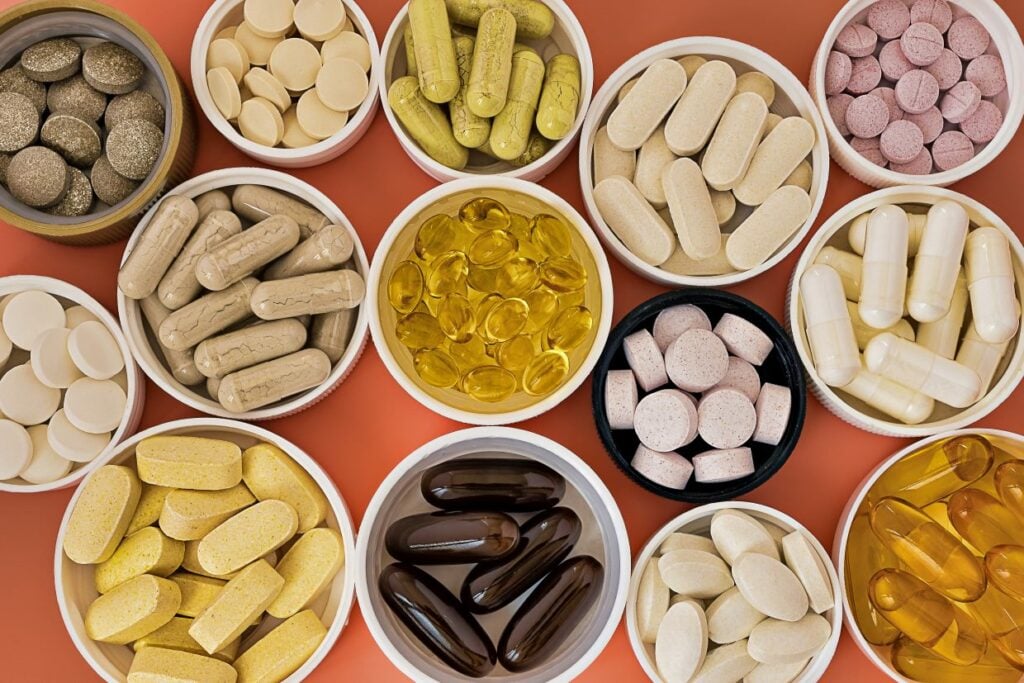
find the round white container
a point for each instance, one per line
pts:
(567, 37)
(604, 537)
(698, 521)
(149, 356)
(791, 99)
(136, 390)
(451, 404)
(224, 13)
(75, 585)
(879, 655)
(1006, 42)
(853, 411)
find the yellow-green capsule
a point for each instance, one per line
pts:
(492, 63)
(405, 287)
(545, 373)
(469, 354)
(536, 147)
(435, 54)
(510, 131)
(492, 248)
(517, 277)
(563, 274)
(570, 328)
(543, 305)
(515, 354)
(483, 279)
(551, 235)
(534, 19)
(426, 123)
(436, 368)
(410, 53)
(560, 97)
(519, 47)
(469, 129)
(520, 226)
(419, 331)
(505, 320)
(448, 274)
(483, 308)
(483, 214)
(437, 235)
(489, 383)
(455, 316)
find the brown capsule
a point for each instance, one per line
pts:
(332, 331)
(452, 537)
(323, 250)
(257, 203)
(512, 485)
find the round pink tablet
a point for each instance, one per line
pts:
(867, 116)
(620, 398)
(988, 74)
(838, 69)
(837, 106)
(856, 40)
(893, 62)
(951, 149)
(930, 122)
(938, 13)
(917, 91)
(713, 467)
(982, 125)
(889, 18)
(901, 142)
(726, 418)
(675, 320)
(645, 359)
(922, 44)
(697, 360)
(744, 339)
(968, 38)
(773, 406)
(888, 95)
(865, 76)
(741, 376)
(947, 69)
(665, 420)
(921, 165)
(870, 150)
(671, 470)
(962, 100)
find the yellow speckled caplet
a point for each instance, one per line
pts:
(190, 515)
(247, 536)
(147, 551)
(270, 473)
(101, 515)
(163, 665)
(174, 635)
(282, 651)
(132, 610)
(189, 462)
(239, 603)
(197, 592)
(308, 568)
(191, 562)
(148, 510)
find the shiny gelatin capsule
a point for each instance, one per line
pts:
(1004, 566)
(545, 373)
(517, 277)
(520, 226)
(918, 663)
(563, 274)
(1009, 479)
(452, 537)
(515, 354)
(482, 279)
(543, 305)
(436, 368)
(865, 555)
(405, 288)
(448, 274)
(570, 328)
(983, 521)
(1002, 617)
(505, 320)
(926, 617)
(419, 331)
(492, 248)
(927, 550)
(489, 383)
(483, 213)
(483, 308)
(470, 354)
(456, 318)
(437, 235)
(935, 471)
(510, 484)
(551, 235)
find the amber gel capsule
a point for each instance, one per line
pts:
(452, 537)
(512, 485)
(1004, 566)
(1002, 617)
(435, 617)
(927, 550)
(983, 521)
(1009, 479)
(921, 664)
(865, 555)
(934, 472)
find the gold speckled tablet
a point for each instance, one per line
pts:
(101, 515)
(282, 651)
(247, 536)
(270, 473)
(147, 551)
(154, 664)
(189, 462)
(308, 568)
(132, 610)
(239, 603)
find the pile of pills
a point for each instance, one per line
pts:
(501, 515)
(492, 302)
(690, 144)
(919, 345)
(253, 293)
(284, 90)
(77, 125)
(62, 387)
(184, 544)
(502, 99)
(720, 365)
(741, 601)
(912, 88)
(935, 561)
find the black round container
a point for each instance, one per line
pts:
(781, 367)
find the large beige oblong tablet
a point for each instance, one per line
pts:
(805, 562)
(132, 610)
(693, 213)
(680, 263)
(271, 475)
(768, 227)
(282, 651)
(735, 141)
(634, 221)
(147, 551)
(695, 573)
(247, 536)
(308, 568)
(189, 462)
(770, 586)
(153, 664)
(609, 160)
(151, 502)
(682, 642)
(190, 515)
(776, 158)
(692, 122)
(645, 106)
(652, 598)
(101, 514)
(654, 158)
(237, 605)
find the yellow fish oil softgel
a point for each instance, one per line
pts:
(921, 664)
(271, 475)
(238, 604)
(164, 664)
(189, 462)
(934, 472)
(101, 515)
(147, 551)
(174, 636)
(866, 555)
(132, 610)
(1009, 482)
(1002, 618)
(1004, 566)
(983, 521)
(282, 651)
(247, 536)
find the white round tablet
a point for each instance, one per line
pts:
(15, 449)
(76, 315)
(46, 464)
(95, 406)
(95, 351)
(26, 400)
(5, 347)
(51, 362)
(71, 442)
(30, 313)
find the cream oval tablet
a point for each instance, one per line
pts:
(47, 465)
(50, 360)
(654, 157)
(247, 536)
(726, 664)
(95, 351)
(224, 92)
(652, 598)
(610, 161)
(26, 400)
(281, 652)
(805, 562)
(778, 155)
(735, 533)
(101, 514)
(695, 573)
(731, 618)
(15, 449)
(783, 672)
(777, 642)
(28, 314)
(682, 642)
(684, 541)
(770, 586)
(236, 606)
(95, 406)
(190, 515)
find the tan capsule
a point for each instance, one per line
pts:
(274, 380)
(180, 363)
(180, 285)
(257, 203)
(323, 250)
(491, 70)
(214, 200)
(470, 130)
(240, 256)
(332, 331)
(560, 97)
(510, 132)
(207, 315)
(220, 356)
(308, 294)
(435, 54)
(157, 247)
(426, 123)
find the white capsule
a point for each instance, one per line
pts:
(829, 329)
(915, 367)
(981, 356)
(990, 281)
(849, 267)
(937, 262)
(859, 226)
(884, 275)
(895, 400)
(942, 335)
(865, 333)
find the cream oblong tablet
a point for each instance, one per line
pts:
(29, 314)
(280, 653)
(681, 264)
(653, 159)
(735, 141)
(683, 541)
(101, 514)
(682, 642)
(308, 568)
(731, 618)
(695, 573)
(26, 400)
(247, 536)
(132, 610)
(778, 155)
(805, 562)
(15, 449)
(734, 533)
(695, 117)
(609, 160)
(147, 551)
(768, 227)
(95, 406)
(777, 642)
(95, 351)
(726, 663)
(634, 220)
(770, 586)
(651, 602)
(190, 515)
(50, 360)
(645, 106)
(47, 465)
(174, 636)
(189, 462)
(239, 602)
(271, 474)
(693, 212)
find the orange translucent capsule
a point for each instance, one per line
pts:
(551, 235)
(492, 248)
(935, 471)
(456, 318)
(982, 520)
(437, 235)
(448, 274)
(405, 287)
(570, 328)
(865, 555)
(1004, 566)
(563, 274)
(921, 664)
(419, 331)
(489, 383)
(545, 373)
(517, 277)
(1009, 480)
(483, 213)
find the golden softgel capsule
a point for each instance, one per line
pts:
(921, 664)
(406, 287)
(437, 368)
(866, 555)
(982, 520)
(932, 473)
(1004, 566)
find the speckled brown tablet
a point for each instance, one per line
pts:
(137, 104)
(16, 80)
(620, 398)
(76, 139)
(112, 69)
(726, 418)
(38, 176)
(51, 60)
(5, 161)
(78, 199)
(697, 360)
(110, 186)
(133, 147)
(74, 95)
(744, 339)
(19, 122)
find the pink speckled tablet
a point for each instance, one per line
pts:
(930, 122)
(893, 62)
(947, 69)
(697, 360)
(962, 100)
(917, 91)
(869, 149)
(712, 467)
(726, 418)
(889, 18)
(988, 74)
(838, 69)
(951, 149)
(865, 75)
(744, 339)
(665, 420)
(901, 142)
(938, 13)
(888, 95)
(867, 116)
(922, 43)
(982, 125)
(741, 376)
(645, 359)
(856, 40)
(968, 38)
(671, 470)
(620, 398)
(675, 320)
(837, 106)
(921, 165)
(773, 406)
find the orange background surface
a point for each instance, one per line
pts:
(358, 442)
